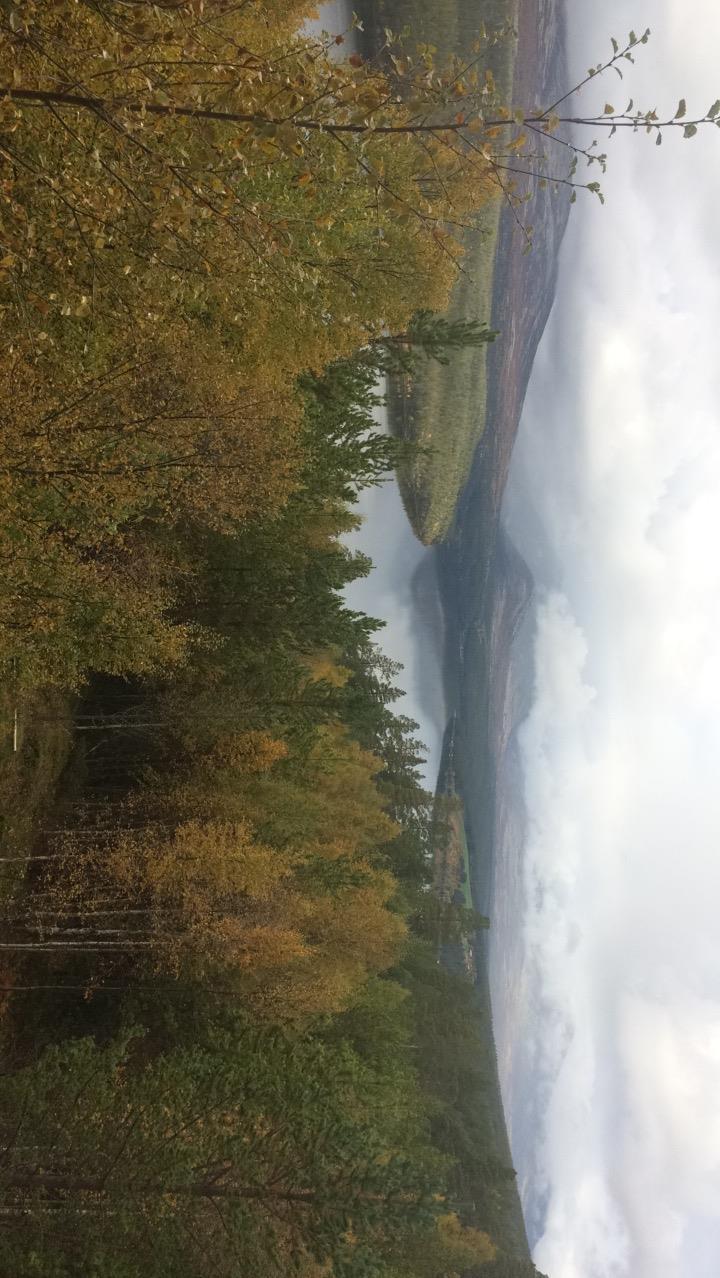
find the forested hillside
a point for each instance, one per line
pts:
(220, 989)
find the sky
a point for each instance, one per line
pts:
(615, 499)
(400, 591)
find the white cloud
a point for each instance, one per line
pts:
(619, 460)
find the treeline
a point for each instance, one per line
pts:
(166, 279)
(219, 948)
(240, 901)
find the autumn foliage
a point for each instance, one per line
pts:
(164, 280)
(197, 312)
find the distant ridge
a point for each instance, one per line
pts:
(485, 587)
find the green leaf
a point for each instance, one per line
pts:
(682, 108)
(608, 109)
(614, 44)
(714, 110)
(689, 131)
(658, 140)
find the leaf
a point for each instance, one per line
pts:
(614, 44)
(714, 110)
(690, 130)
(658, 140)
(608, 109)
(682, 108)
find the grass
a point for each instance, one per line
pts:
(443, 412)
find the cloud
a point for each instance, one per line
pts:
(615, 500)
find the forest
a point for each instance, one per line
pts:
(227, 1044)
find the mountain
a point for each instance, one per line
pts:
(485, 588)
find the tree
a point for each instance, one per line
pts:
(239, 862)
(147, 211)
(162, 288)
(449, 1252)
(250, 1153)
(165, 177)
(429, 336)
(447, 922)
(452, 109)
(89, 471)
(296, 928)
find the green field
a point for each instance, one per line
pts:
(443, 411)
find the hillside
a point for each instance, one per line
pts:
(466, 415)
(444, 409)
